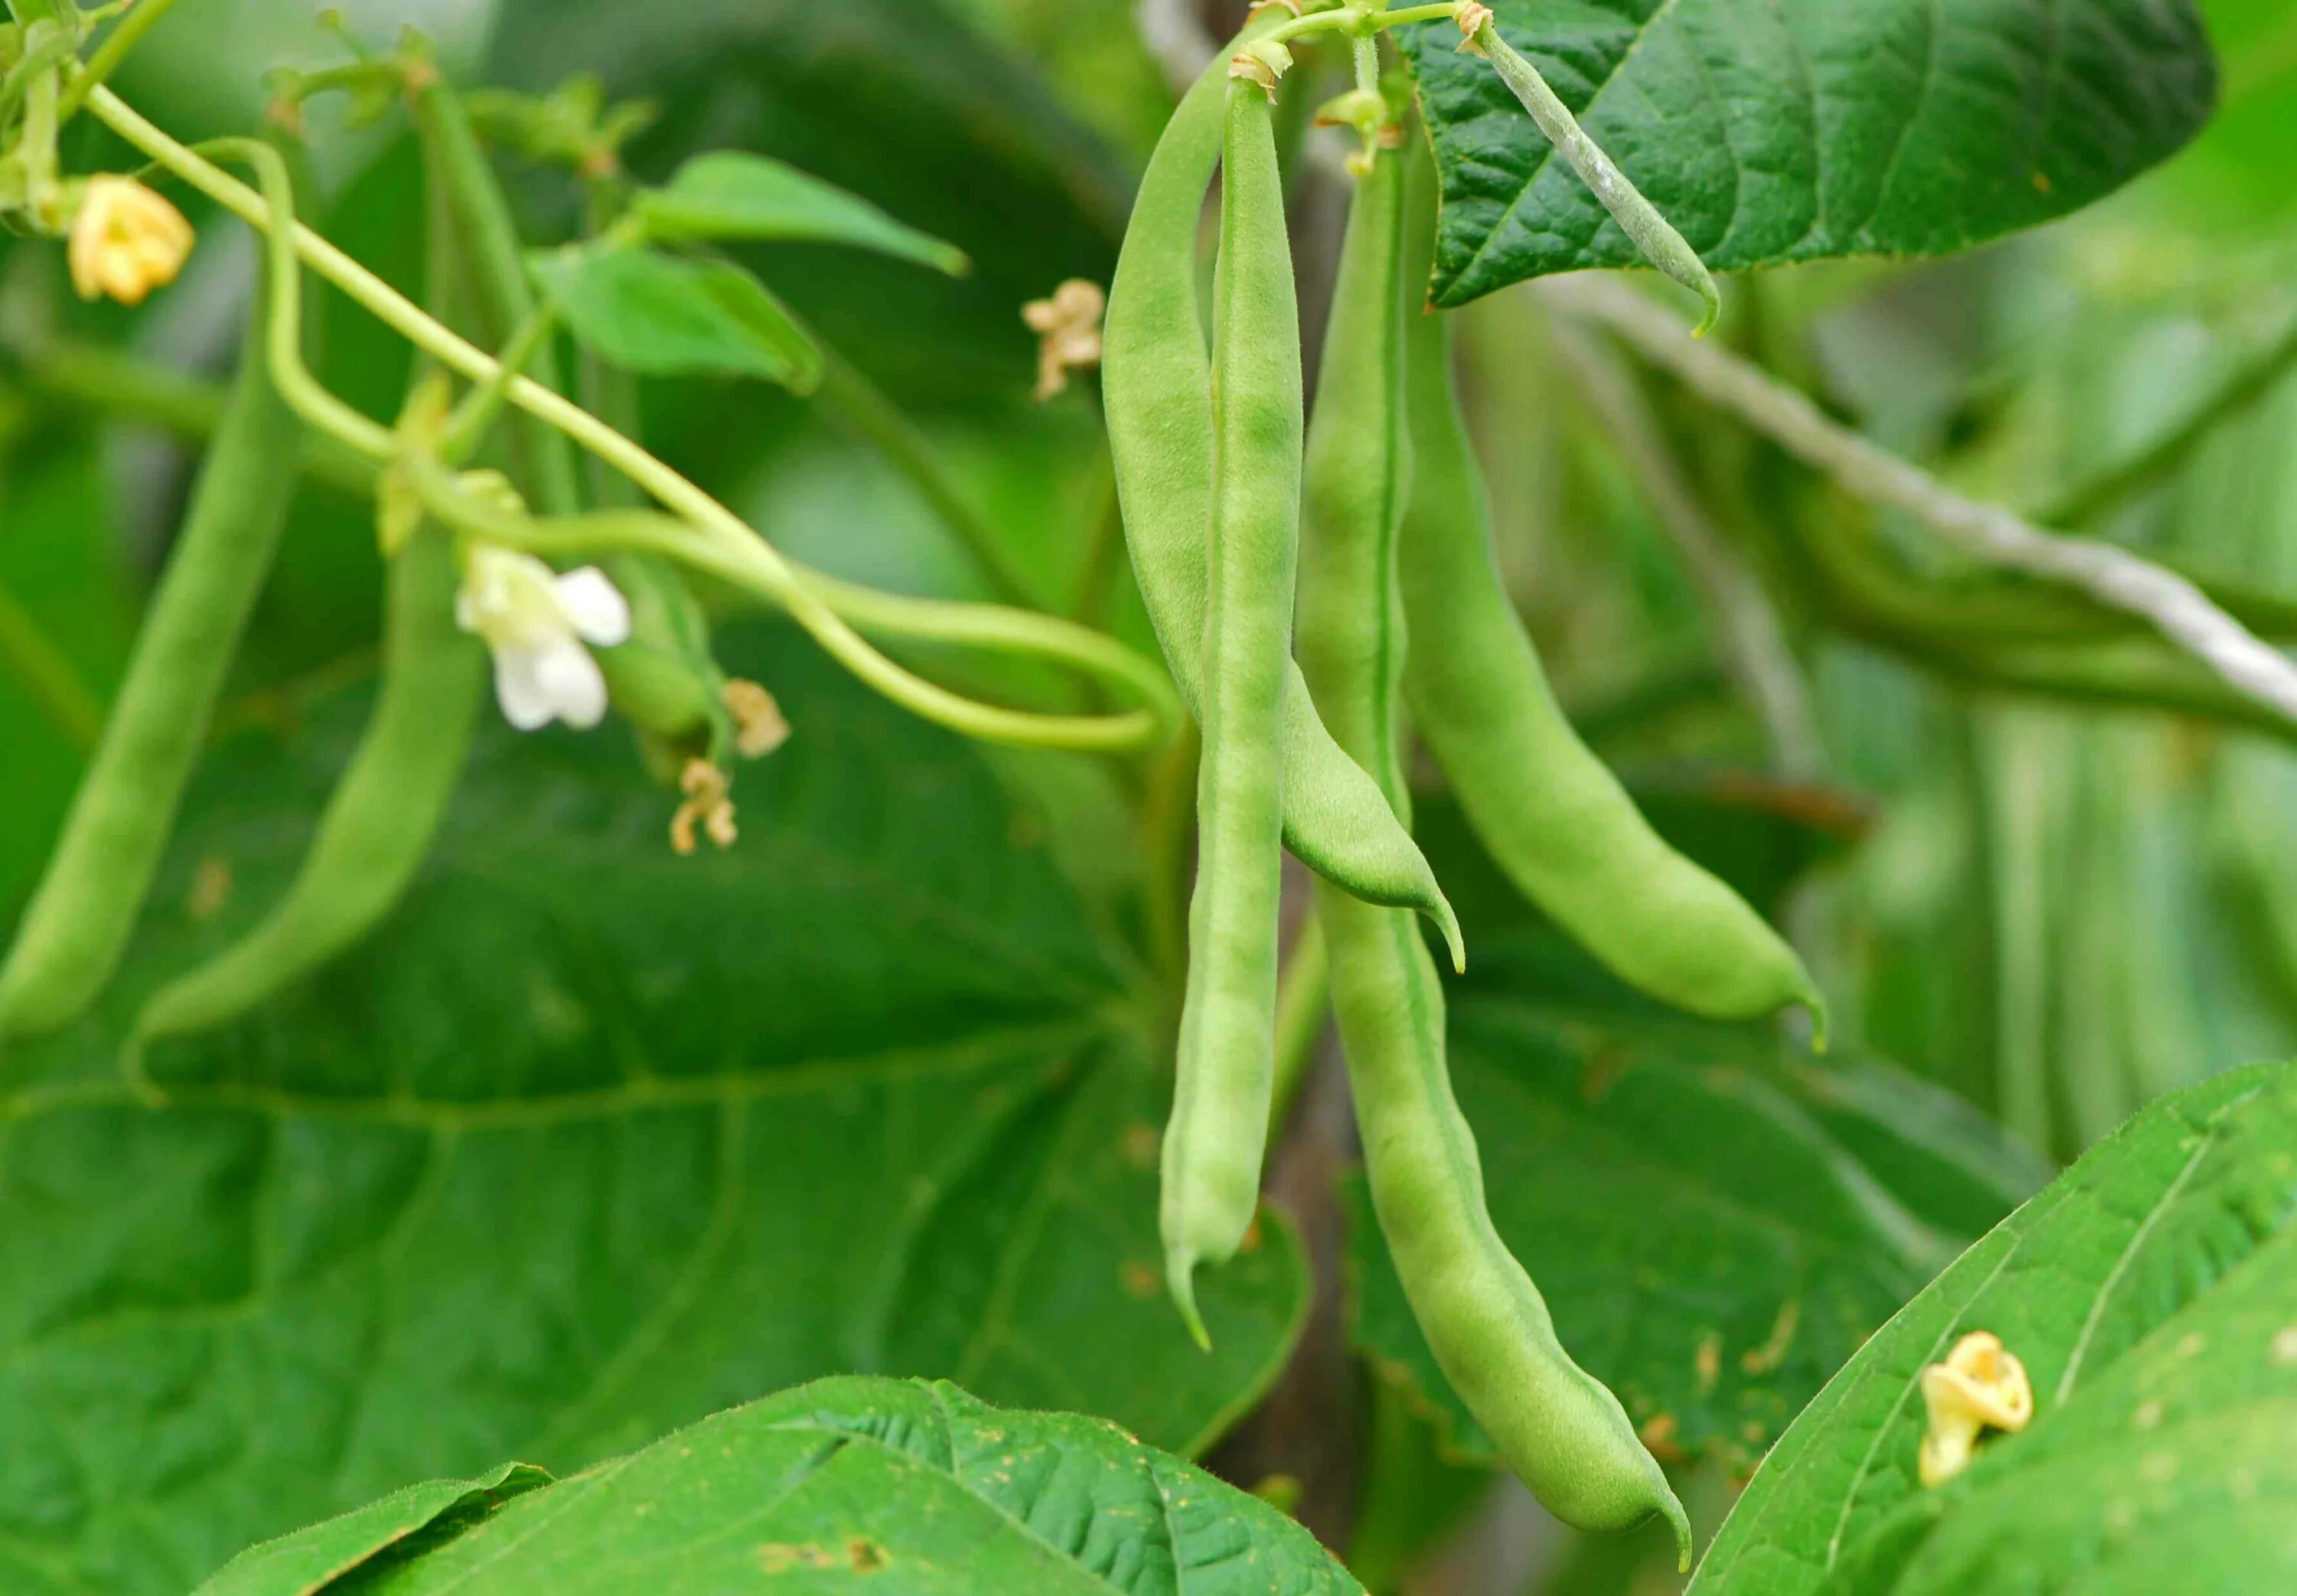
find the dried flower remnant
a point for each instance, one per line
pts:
(758, 725)
(1068, 331)
(706, 805)
(1979, 1387)
(1473, 19)
(125, 241)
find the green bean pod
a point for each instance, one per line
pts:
(379, 820)
(1218, 1134)
(1560, 1430)
(78, 921)
(1156, 390)
(1554, 818)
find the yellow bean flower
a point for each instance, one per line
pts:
(125, 241)
(1981, 1386)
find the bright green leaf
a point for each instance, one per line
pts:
(2151, 1294)
(310, 1559)
(1716, 1226)
(664, 315)
(590, 1142)
(731, 194)
(858, 1484)
(1805, 130)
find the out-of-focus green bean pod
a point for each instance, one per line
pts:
(380, 818)
(72, 935)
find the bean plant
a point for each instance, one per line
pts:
(669, 959)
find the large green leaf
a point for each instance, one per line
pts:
(873, 1484)
(1716, 1226)
(589, 1142)
(1806, 129)
(2151, 1294)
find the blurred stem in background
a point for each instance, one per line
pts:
(30, 656)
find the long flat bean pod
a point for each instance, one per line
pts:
(1556, 820)
(72, 935)
(1561, 1430)
(1157, 392)
(379, 819)
(1218, 1134)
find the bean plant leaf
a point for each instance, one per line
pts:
(664, 315)
(310, 1559)
(1803, 131)
(589, 1142)
(731, 194)
(2152, 1293)
(1716, 1226)
(865, 1484)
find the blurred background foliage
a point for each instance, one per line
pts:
(2058, 910)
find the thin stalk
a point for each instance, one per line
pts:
(2110, 575)
(105, 382)
(1304, 995)
(2086, 503)
(859, 408)
(32, 658)
(866, 610)
(124, 37)
(726, 544)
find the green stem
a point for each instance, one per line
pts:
(860, 409)
(468, 427)
(2086, 503)
(726, 544)
(124, 37)
(47, 677)
(1302, 1004)
(103, 381)
(884, 614)
(1361, 19)
(47, 48)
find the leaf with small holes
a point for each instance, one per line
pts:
(2151, 1292)
(589, 1141)
(1803, 129)
(859, 1483)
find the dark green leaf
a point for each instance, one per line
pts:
(662, 315)
(2151, 1294)
(590, 1142)
(1716, 1225)
(310, 1559)
(880, 1484)
(1804, 131)
(727, 195)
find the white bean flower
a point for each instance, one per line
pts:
(538, 623)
